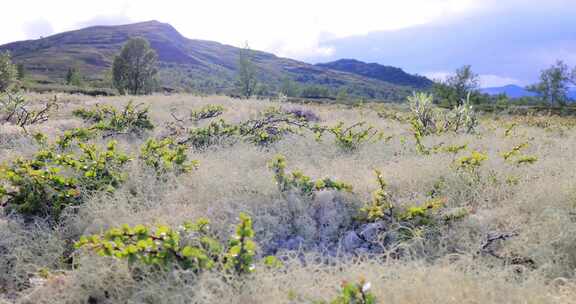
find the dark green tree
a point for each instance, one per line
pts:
(21, 71)
(554, 84)
(135, 69)
(73, 77)
(247, 81)
(8, 72)
(455, 89)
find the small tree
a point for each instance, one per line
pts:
(134, 70)
(455, 89)
(554, 82)
(73, 77)
(247, 81)
(21, 71)
(8, 72)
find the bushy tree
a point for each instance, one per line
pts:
(554, 84)
(21, 70)
(73, 76)
(134, 70)
(247, 81)
(8, 72)
(455, 89)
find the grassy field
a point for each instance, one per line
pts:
(516, 242)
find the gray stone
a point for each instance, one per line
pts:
(371, 232)
(351, 241)
(294, 243)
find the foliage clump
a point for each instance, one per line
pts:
(354, 293)
(516, 157)
(408, 218)
(428, 120)
(191, 246)
(53, 180)
(270, 126)
(297, 181)
(166, 156)
(350, 138)
(206, 112)
(132, 119)
(8, 72)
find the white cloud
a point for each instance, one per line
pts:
(289, 28)
(489, 81)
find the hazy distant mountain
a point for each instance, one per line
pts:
(380, 72)
(514, 91)
(188, 63)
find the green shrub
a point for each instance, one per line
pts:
(130, 120)
(297, 181)
(407, 217)
(8, 72)
(427, 120)
(354, 293)
(514, 156)
(241, 248)
(270, 126)
(471, 164)
(350, 138)
(52, 180)
(191, 246)
(380, 204)
(216, 132)
(165, 156)
(206, 112)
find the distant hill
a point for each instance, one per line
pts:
(380, 72)
(514, 91)
(187, 64)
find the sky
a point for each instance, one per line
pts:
(505, 41)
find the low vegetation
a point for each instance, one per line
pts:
(109, 203)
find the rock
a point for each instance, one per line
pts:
(371, 232)
(351, 241)
(294, 243)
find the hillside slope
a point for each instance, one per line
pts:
(185, 64)
(380, 72)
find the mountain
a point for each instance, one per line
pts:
(184, 64)
(512, 91)
(380, 72)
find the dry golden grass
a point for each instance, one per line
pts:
(540, 207)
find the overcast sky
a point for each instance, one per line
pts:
(507, 41)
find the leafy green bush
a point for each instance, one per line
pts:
(427, 120)
(408, 217)
(270, 126)
(297, 181)
(355, 293)
(206, 112)
(216, 132)
(514, 156)
(52, 180)
(423, 112)
(165, 156)
(130, 120)
(350, 138)
(380, 204)
(191, 246)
